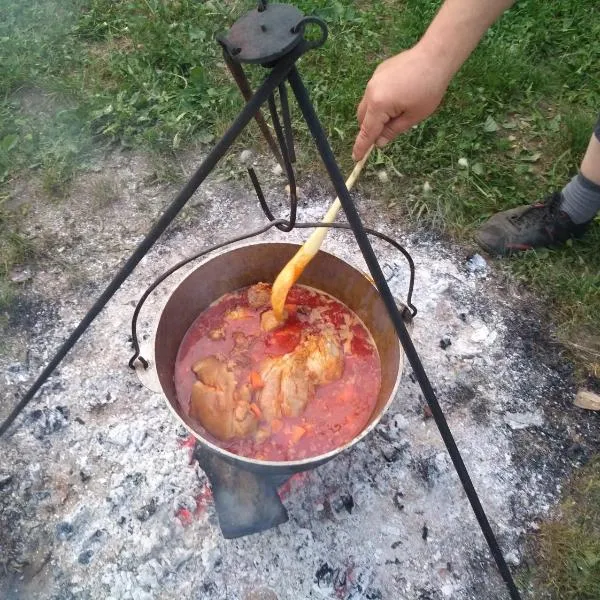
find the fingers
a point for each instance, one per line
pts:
(393, 129)
(361, 110)
(371, 128)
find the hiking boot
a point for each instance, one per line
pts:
(528, 227)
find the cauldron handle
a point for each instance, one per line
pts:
(409, 310)
(246, 502)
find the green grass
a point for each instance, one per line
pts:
(78, 75)
(569, 547)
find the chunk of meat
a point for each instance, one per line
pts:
(259, 295)
(218, 403)
(296, 389)
(324, 357)
(290, 380)
(268, 320)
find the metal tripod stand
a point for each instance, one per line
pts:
(273, 36)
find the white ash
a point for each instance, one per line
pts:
(96, 485)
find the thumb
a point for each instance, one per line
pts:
(393, 129)
(370, 129)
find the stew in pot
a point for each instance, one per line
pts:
(278, 391)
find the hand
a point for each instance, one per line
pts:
(404, 90)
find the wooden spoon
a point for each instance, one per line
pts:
(295, 267)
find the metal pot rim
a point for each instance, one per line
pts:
(290, 464)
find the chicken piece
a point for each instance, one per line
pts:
(259, 295)
(324, 357)
(217, 402)
(268, 320)
(269, 400)
(296, 389)
(290, 380)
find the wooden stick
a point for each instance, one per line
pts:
(295, 267)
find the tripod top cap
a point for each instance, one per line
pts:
(263, 36)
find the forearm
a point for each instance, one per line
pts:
(457, 29)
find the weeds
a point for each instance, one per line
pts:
(569, 547)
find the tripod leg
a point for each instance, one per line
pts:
(287, 121)
(244, 85)
(289, 169)
(364, 244)
(276, 76)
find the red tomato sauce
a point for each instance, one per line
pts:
(336, 412)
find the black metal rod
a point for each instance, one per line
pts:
(287, 120)
(239, 76)
(289, 168)
(369, 255)
(277, 75)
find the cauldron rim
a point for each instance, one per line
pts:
(269, 465)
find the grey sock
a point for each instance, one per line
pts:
(581, 199)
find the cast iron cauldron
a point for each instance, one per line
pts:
(245, 489)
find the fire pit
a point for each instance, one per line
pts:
(245, 489)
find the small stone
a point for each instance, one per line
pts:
(64, 531)
(398, 424)
(246, 158)
(348, 502)
(84, 475)
(137, 437)
(182, 432)
(463, 163)
(477, 265)
(588, 400)
(513, 558)
(277, 170)
(399, 500)
(5, 481)
(427, 414)
(427, 188)
(425, 532)
(390, 453)
(523, 420)
(20, 275)
(119, 436)
(445, 342)
(261, 594)
(382, 176)
(145, 512)
(49, 420)
(85, 557)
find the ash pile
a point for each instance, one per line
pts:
(99, 497)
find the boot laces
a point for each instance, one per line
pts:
(539, 214)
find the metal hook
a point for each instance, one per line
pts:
(301, 27)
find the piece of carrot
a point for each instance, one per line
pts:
(256, 410)
(297, 433)
(256, 381)
(276, 425)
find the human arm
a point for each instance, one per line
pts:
(408, 87)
